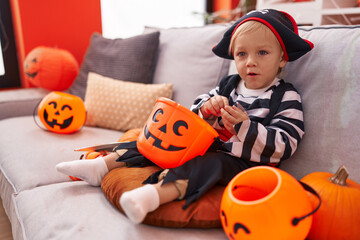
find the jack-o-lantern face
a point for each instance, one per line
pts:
(173, 135)
(164, 128)
(32, 67)
(265, 203)
(62, 112)
(236, 227)
(50, 68)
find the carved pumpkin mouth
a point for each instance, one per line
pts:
(157, 142)
(54, 122)
(31, 75)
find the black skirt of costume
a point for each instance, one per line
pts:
(203, 172)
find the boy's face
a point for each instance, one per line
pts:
(258, 57)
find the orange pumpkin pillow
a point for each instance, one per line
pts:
(204, 213)
(130, 135)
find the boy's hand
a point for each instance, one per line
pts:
(232, 115)
(213, 106)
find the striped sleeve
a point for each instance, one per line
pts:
(200, 100)
(276, 141)
(230, 81)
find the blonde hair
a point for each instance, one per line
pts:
(247, 27)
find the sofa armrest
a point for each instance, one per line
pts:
(20, 102)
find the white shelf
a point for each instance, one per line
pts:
(337, 11)
(309, 12)
(307, 5)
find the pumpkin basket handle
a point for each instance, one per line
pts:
(35, 114)
(296, 220)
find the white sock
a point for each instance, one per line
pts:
(91, 171)
(138, 202)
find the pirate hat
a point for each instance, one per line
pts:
(280, 23)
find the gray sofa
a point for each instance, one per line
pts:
(44, 204)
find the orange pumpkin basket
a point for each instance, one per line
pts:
(265, 203)
(173, 135)
(62, 112)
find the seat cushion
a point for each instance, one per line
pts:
(204, 213)
(29, 154)
(76, 210)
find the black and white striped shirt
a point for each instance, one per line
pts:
(255, 142)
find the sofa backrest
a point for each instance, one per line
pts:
(185, 59)
(328, 79)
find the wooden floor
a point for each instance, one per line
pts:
(5, 227)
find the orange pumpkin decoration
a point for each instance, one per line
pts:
(173, 135)
(51, 68)
(74, 178)
(92, 155)
(265, 203)
(130, 135)
(339, 215)
(62, 112)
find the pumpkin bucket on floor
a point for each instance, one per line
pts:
(265, 203)
(173, 135)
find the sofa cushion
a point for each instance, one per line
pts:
(328, 81)
(29, 154)
(131, 59)
(186, 60)
(76, 210)
(121, 105)
(20, 102)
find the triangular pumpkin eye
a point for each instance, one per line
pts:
(163, 128)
